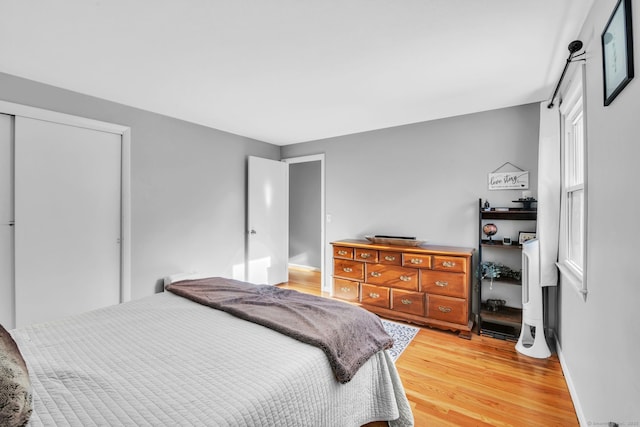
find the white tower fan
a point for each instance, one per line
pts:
(532, 313)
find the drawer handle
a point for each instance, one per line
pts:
(448, 264)
(406, 301)
(376, 274)
(345, 289)
(365, 255)
(416, 261)
(441, 283)
(374, 295)
(444, 309)
(405, 278)
(347, 269)
(342, 253)
(390, 258)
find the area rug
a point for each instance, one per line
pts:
(402, 335)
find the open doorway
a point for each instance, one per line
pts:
(307, 214)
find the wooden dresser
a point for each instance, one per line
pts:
(427, 285)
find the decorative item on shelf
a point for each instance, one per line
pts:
(511, 274)
(487, 206)
(493, 270)
(495, 304)
(490, 270)
(526, 203)
(523, 236)
(506, 241)
(490, 230)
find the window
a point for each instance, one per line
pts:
(573, 204)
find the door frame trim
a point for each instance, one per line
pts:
(325, 284)
(20, 110)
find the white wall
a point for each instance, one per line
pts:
(599, 337)
(424, 179)
(188, 184)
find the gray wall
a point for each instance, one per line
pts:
(424, 179)
(188, 184)
(599, 336)
(304, 214)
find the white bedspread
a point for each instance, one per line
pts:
(167, 361)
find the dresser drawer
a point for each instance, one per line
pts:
(342, 252)
(375, 295)
(449, 309)
(346, 289)
(391, 258)
(392, 276)
(416, 260)
(443, 283)
(348, 269)
(407, 302)
(366, 255)
(450, 263)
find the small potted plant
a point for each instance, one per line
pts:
(490, 270)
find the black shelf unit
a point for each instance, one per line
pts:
(506, 322)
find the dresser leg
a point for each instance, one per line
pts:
(465, 334)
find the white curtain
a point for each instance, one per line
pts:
(548, 225)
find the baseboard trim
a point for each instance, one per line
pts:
(303, 267)
(572, 389)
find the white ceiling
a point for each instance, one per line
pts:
(289, 71)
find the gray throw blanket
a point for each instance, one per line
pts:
(347, 334)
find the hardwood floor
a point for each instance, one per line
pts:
(479, 382)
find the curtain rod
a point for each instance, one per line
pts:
(574, 46)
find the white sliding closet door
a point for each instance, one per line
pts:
(67, 219)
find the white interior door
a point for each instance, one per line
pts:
(67, 219)
(268, 221)
(6, 219)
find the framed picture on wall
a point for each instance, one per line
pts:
(617, 51)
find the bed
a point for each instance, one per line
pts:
(167, 360)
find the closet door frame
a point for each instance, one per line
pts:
(125, 133)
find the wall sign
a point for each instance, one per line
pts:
(509, 180)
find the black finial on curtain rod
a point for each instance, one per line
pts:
(574, 46)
